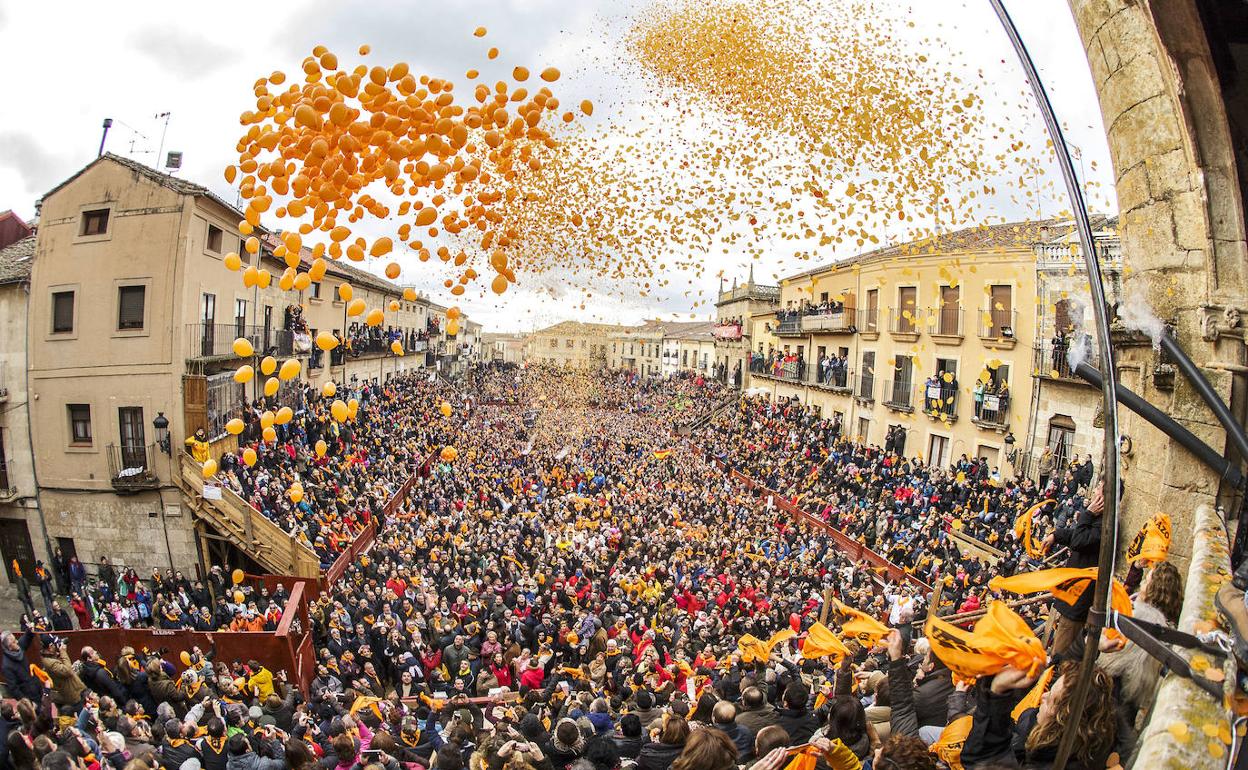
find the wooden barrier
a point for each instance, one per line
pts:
(276, 650)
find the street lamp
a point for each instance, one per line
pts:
(161, 424)
(1011, 454)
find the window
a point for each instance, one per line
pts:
(268, 327)
(938, 450)
(950, 310)
(133, 443)
(240, 318)
(316, 289)
(94, 222)
(554, 343)
(864, 428)
(1061, 439)
(130, 301)
(569, 344)
(4, 465)
(79, 424)
(823, 297)
(215, 239)
(873, 310)
(866, 379)
(907, 298)
(62, 312)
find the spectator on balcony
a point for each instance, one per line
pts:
(1045, 467)
(1060, 361)
(198, 447)
(977, 393)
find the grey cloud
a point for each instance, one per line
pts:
(181, 53)
(38, 169)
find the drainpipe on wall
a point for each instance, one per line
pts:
(30, 433)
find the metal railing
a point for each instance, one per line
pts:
(844, 320)
(899, 394)
(840, 378)
(905, 321)
(132, 466)
(789, 325)
(869, 320)
(217, 340)
(1052, 359)
(940, 400)
(948, 321)
(997, 324)
(993, 409)
(864, 387)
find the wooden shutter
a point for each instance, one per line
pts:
(63, 311)
(130, 302)
(194, 402)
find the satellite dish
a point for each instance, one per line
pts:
(173, 160)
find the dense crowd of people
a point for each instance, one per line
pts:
(577, 587)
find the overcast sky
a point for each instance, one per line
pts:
(80, 62)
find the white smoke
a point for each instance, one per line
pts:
(1080, 349)
(1135, 313)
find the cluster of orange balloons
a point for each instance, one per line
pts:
(346, 142)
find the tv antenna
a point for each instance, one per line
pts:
(161, 150)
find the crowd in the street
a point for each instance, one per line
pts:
(577, 587)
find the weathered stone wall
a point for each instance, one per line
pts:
(127, 529)
(1181, 227)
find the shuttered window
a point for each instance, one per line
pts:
(130, 301)
(62, 311)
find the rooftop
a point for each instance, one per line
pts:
(978, 238)
(16, 260)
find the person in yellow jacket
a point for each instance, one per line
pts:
(261, 680)
(197, 445)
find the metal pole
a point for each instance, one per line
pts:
(108, 123)
(1109, 395)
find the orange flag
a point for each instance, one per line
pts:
(1066, 584)
(805, 759)
(755, 649)
(1152, 543)
(820, 641)
(948, 747)
(860, 625)
(1022, 528)
(999, 639)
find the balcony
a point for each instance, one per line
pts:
(728, 331)
(869, 322)
(842, 321)
(940, 401)
(216, 341)
(7, 490)
(864, 388)
(132, 467)
(789, 326)
(948, 327)
(1052, 361)
(903, 325)
(899, 395)
(996, 327)
(837, 381)
(992, 412)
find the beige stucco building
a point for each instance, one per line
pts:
(926, 345)
(735, 310)
(132, 317)
(571, 344)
